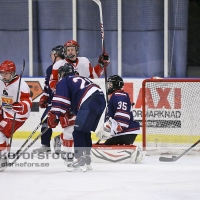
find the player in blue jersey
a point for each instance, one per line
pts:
(57, 55)
(119, 109)
(119, 127)
(85, 100)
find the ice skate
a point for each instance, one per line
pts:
(3, 163)
(78, 165)
(42, 149)
(57, 144)
(88, 163)
(69, 158)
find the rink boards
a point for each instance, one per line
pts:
(132, 86)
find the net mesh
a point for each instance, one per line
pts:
(13, 15)
(53, 15)
(148, 15)
(137, 15)
(171, 115)
(176, 18)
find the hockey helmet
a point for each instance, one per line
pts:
(114, 83)
(71, 43)
(8, 66)
(66, 69)
(59, 51)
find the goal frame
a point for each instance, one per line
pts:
(144, 133)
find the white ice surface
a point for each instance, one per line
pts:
(152, 180)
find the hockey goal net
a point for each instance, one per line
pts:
(171, 115)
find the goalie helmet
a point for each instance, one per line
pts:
(8, 66)
(59, 51)
(114, 83)
(66, 69)
(71, 43)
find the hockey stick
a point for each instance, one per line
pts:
(14, 161)
(30, 136)
(98, 2)
(175, 158)
(13, 125)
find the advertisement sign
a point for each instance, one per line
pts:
(132, 86)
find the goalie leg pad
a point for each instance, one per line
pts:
(137, 156)
(116, 154)
(140, 156)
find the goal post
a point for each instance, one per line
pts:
(170, 114)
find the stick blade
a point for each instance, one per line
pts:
(165, 159)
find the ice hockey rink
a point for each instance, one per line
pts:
(152, 179)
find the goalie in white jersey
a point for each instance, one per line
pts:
(9, 84)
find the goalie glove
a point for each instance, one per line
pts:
(104, 60)
(112, 126)
(109, 129)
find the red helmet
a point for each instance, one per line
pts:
(71, 43)
(7, 66)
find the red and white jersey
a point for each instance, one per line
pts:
(8, 95)
(81, 65)
(54, 74)
(84, 68)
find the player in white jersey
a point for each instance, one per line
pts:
(83, 66)
(9, 84)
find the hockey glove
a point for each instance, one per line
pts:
(52, 120)
(64, 120)
(18, 107)
(67, 119)
(104, 60)
(43, 103)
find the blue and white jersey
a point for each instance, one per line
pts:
(71, 92)
(119, 108)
